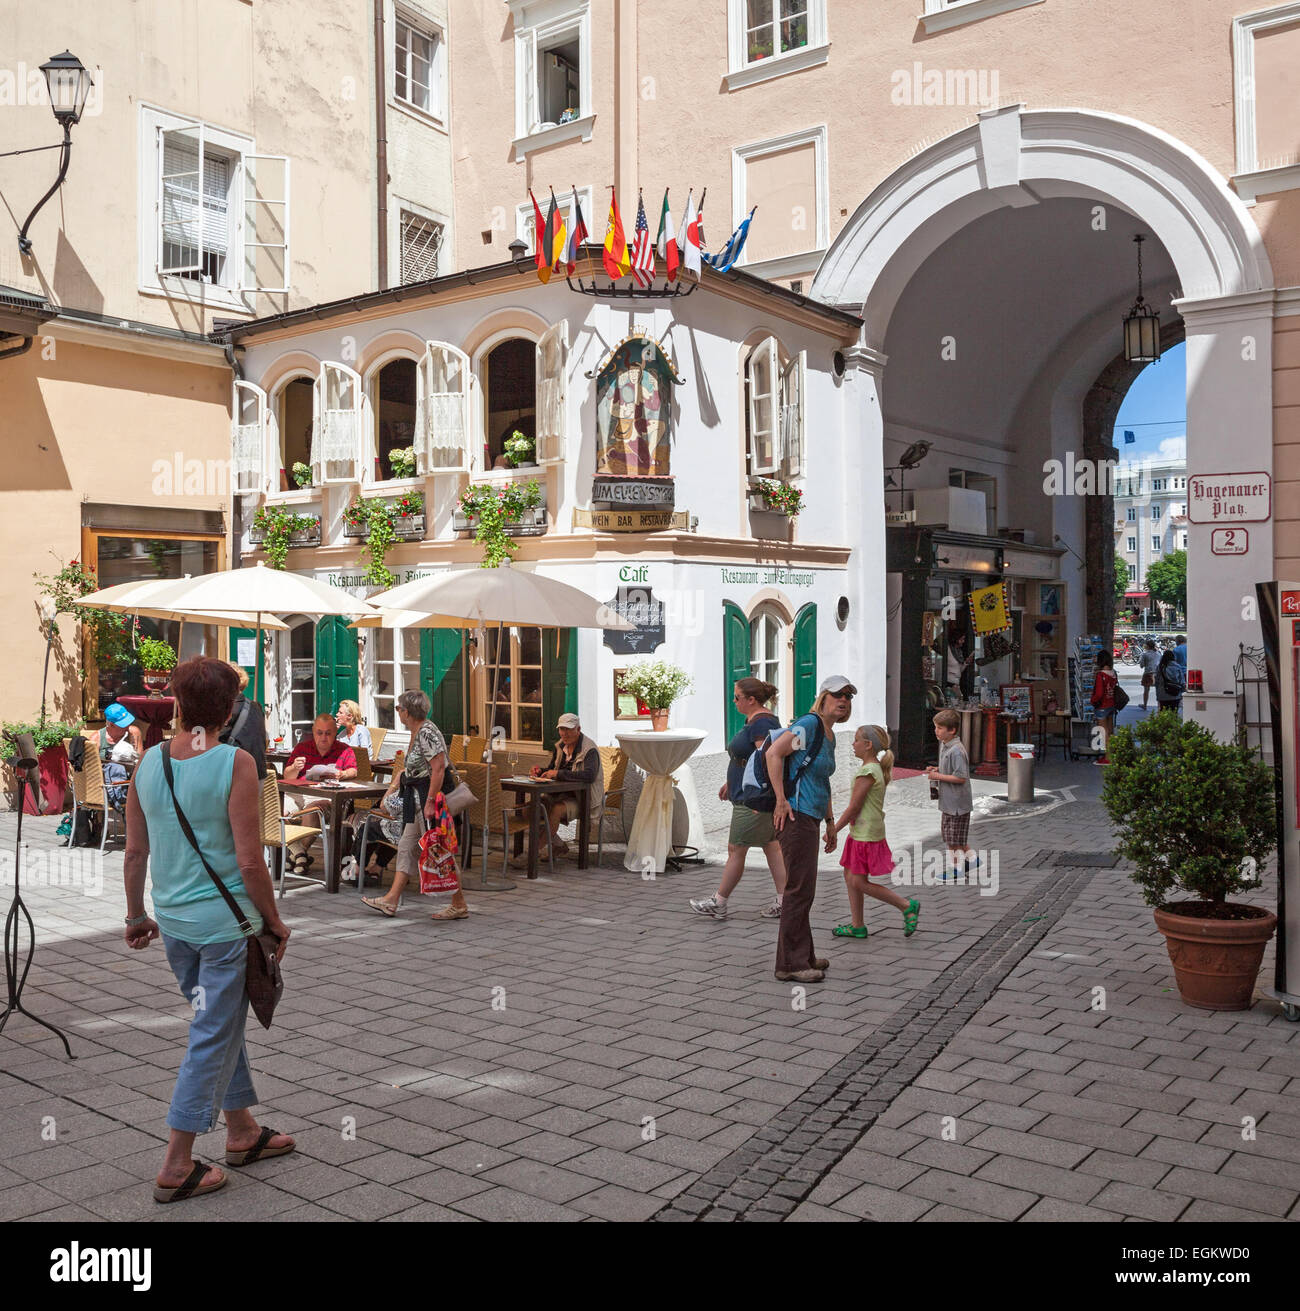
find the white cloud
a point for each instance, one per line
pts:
(1173, 448)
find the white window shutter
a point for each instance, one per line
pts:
(336, 432)
(527, 93)
(477, 425)
(794, 381)
(265, 223)
(760, 375)
(442, 420)
(180, 199)
(552, 393)
(249, 438)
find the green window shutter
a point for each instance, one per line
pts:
(336, 663)
(442, 677)
(805, 659)
(559, 677)
(256, 674)
(735, 661)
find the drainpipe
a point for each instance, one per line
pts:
(381, 146)
(236, 505)
(11, 352)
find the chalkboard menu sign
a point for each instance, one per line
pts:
(638, 606)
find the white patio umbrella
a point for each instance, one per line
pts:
(134, 598)
(475, 597)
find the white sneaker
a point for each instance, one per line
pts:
(710, 906)
(772, 911)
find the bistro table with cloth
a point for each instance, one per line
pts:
(338, 795)
(155, 714)
(662, 757)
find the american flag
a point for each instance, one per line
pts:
(643, 252)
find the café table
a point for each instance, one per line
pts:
(534, 790)
(338, 795)
(662, 757)
(155, 714)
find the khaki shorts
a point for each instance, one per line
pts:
(750, 828)
(408, 851)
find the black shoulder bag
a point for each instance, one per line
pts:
(264, 981)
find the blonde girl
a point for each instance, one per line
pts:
(867, 859)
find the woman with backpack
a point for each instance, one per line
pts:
(1104, 687)
(1171, 683)
(749, 828)
(803, 801)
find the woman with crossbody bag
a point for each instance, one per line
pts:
(198, 834)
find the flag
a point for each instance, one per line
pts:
(577, 235)
(539, 241)
(688, 239)
(1129, 437)
(553, 241)
(616, 258)
(667, 242)
(643, 253)
(726, 258)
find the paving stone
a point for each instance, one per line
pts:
(977, 1195)
(869, 1202)
(1031, 1146)
(507, 1204)
(1145, 1203)
(1245, 1194)
(1037, 1177)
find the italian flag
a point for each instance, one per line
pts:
(667, 240)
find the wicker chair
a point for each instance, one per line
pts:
(278, 834)
(88, 790)
(488, 813)
(613, 761)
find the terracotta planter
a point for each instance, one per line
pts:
(53, 766)
(659, 720)
(1215, 961)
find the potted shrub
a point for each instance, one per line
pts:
(657, 684)
(519, 449)
(301, 474)
(157, 659)
(769, 494)
(52, 760)
(1196, 816)
(402, 462)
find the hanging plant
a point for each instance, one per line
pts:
(301, 473)
(278, 527)
(780, 496)
(402, 462)
(492, 508)
(379, 538)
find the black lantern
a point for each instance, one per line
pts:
(1141, 324)
(69, 85)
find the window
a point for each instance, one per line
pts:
(216, 214)
(302, 677)
(1132, 573)
(524, 388)
(1156, 543)
(336, 427)
(1155, 512)
(552, 72)
(419, 67)
(1131, 514)
(1182, 542)
(767, 650)
(394, 403)
(397, 670)
(421, 242)
(517, 708)
(786, 178)
(768, 38)
(292, 417)
(1157, 484)
(1132, 545)
(775, 386)
(1266, 55)
(526, 218)
(942, 14)
(446, 391)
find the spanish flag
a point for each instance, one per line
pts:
(542, 251)
(617, 259)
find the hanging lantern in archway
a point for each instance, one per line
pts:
(1141, 324)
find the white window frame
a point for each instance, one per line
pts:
(1132, 546)
(275, 401)
(1183, 539)
(789, 414)
(370, 421)
(433, 453)
(1132, 573)
(769, 615)
(1131, 514)
(769, 348)
(742, 73)
(537, 21)
(525, 221)
(397, 666)
(1156, 512)
(800, 261)
(1251, 179)
(940, 15)
(233, 293)
(250, 450)
(421, 25)
(343, 477)
(1157, 543)
(551, 413)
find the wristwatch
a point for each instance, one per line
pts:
(133, 920)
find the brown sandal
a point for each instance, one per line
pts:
(451, 913)
(192, 1187)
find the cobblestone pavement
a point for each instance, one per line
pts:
(586, 1047)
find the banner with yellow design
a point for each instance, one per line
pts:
(990, 610)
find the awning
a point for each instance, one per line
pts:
(1136, 596)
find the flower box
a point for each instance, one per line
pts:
(406, 527)
(531, 523)
(303, 537)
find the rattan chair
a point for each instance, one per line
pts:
(489, 815)
(613, 761)
(88, 791)
(278, 834)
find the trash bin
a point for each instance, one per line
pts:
(1020, 771)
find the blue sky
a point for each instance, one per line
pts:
(1155, 409)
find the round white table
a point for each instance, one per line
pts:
(663, 757)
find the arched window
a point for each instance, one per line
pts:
(510, 397)
(393, 404)
(292, 415)
(775, 386)
(767, 652)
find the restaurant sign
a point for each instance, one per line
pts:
(631, 520)
(638, 606)
(615, 491)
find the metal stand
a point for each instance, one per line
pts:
(679, 857)
(15, 980)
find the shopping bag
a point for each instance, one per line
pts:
(438, 847)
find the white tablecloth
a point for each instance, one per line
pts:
(659, 755)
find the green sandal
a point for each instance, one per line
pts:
(848, 931)
(910, 916)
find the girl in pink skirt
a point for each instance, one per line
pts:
(867, 859)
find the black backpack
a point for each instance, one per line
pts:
(756, 792)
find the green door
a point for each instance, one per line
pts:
(336, 663)
(256, 673)
(805, 659)
(442, 677)
(559, 678)
(735, 661)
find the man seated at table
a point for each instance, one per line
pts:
(574, 760)
(320, 758)
(121, 744)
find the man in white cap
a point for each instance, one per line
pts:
(574, 760)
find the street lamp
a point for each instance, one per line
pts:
(1141, 324)
(69, 84)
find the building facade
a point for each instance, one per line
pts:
(1150, 524)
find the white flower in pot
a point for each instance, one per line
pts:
(657, 684)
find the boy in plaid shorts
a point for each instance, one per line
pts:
(952, 776)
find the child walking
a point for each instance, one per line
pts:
(867, 859)
(952, 774)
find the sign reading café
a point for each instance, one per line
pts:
(1229, 497)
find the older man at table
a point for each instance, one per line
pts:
(576, 760)
(320, 757)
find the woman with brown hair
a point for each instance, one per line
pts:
(749, 828)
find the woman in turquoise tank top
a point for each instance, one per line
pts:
(218, 789)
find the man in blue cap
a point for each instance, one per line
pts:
(120, 746)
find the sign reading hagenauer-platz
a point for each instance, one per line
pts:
(1229, 497)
